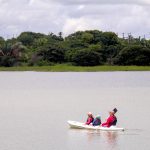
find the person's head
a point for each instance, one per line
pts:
(90, 114)
(98, 117)
(113, 112)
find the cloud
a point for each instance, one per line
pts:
(69, 16)
(121, 18)
(97, 2)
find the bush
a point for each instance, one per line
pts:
(86, 58)
(133, 55)
(7, 61)
(44, 63)
(52, 54)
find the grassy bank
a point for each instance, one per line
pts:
(70, 68)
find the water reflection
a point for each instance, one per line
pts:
(110, 138)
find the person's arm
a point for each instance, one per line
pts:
(107, 123)
(88, 121)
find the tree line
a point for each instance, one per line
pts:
(82, 48)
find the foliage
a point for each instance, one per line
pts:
(2, 42)
(109, 38)
(87, 58)
(7, 61)
(27, 38)
(134, 55)
(52, 54)
(84, 48)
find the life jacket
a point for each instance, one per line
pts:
(96, 122)
(114, 122)
(91, 120)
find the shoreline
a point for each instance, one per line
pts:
(70, 68)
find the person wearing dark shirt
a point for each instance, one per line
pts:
(97, 121)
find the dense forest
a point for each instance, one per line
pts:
(82, 48)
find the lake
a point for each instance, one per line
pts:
(35, 107)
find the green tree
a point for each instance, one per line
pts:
(110, 52)
(87, 58)
(40, 42)
(52, 37)
(27, 38)
(95, 47)
(109, 38)
(19, 51)
(2, 42)
(134, 55)
(97, 36)
(52, 54)
(7, 61)
(87, 37)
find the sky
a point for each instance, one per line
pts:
(68, 16)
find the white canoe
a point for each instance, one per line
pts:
(79, 125)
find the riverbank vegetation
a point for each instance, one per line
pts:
(82, 48)
(71, 68)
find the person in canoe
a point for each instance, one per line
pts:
(90, 118)
(97, 121)
(112, 119)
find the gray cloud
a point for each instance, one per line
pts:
(69, 16)
(96, 2)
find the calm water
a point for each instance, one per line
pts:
(34, 109)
